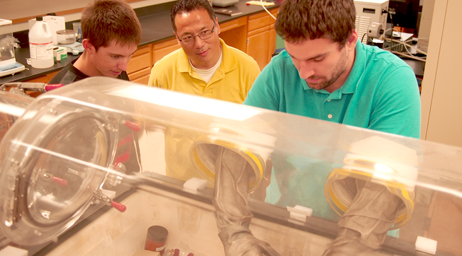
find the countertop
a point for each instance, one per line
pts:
(155, 24)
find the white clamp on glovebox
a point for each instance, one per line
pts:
(13, 251)
(299, 212)
(381, 161)
(426, 245)
(195, 184)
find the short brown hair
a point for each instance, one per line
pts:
(186, 6)
(300, 20)
(106, 20)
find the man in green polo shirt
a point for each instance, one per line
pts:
(326, 73)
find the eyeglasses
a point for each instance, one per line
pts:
(203, 35)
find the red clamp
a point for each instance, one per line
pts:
(120, 207)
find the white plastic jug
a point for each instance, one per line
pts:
(41, 45)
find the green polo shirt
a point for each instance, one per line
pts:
(380, 93)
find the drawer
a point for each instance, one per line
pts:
(229, 25)
(141, 59)
(258, 31)
(141, 75)
(260, 20)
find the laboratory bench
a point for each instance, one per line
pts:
(251, 32)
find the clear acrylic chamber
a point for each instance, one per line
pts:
(217, 175)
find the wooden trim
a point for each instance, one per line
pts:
(228, 25)
(165, 43)
(60, 13)
(258, 30)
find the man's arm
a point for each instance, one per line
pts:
(374, 210)
(232, 177)
(264, 92)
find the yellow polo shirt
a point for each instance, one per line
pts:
(231, 82)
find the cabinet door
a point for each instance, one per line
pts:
(163, 48)
(141, 77)
(258, 47)
(272, 42)
(261, 37)
(140, 60)
(139, 67)
(234, 33)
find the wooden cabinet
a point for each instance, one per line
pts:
(261, 37)
(139, 67)
(258, 46)
(159, 50)
(234, 33)
(42, 79)
(272, 41)
(140, 77)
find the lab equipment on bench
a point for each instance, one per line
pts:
(41, 44)
(74, 48)
(56, 23)
(224, 3)
(8, 64)
(368, 12)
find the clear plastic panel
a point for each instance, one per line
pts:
(44, 191)
(12, 106)
(305, 174)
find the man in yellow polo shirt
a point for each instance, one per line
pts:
(204, 66)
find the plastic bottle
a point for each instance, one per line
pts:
(41, 45)
(156, 239)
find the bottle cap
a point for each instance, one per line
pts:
(39, 18)
(157, 233)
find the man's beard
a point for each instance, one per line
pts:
(340, 67)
